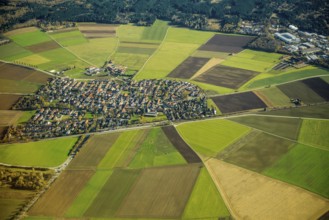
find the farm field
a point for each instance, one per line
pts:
(7, 101)
(258, 152)
(187, 36)
(273, 97)
(260, 197)
(156, 32)
(304, 166)
(68, 38)
(229, 77)
(212, 136)
(300, 90)
(238, 102)
(211, 89)
(41, 47)
(13, 51)
(226, 43)
(188, 68)
(94, 30)
(319, 86)
(30, 38)
(8, 118)
(209, 54)
(315, 132)
(47, 153)
(281, 126)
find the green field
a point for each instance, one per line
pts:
(205, 201)
(30, 38)
(288, 76)
(211, 136)
(26, 116)
(253, 60)
(156, 32)
(275, 97)
(95, 51)
(132, 61)
(47, 153)
(136, 50)
(130, 33)
(166, 59)
(69, 38)
(315, 132)
(13, 51)
(18, 86)
(284, 127)
(304, 166)
(212, 89)
(156, 150)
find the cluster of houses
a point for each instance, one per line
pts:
(72, 107)
(310, 46)
(109, 68)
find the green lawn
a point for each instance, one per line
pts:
(95, 51)
(30, 38)
(205, 200)
(253, 60)
(275, 96)
(315, 132)
(156, 150)
(47, 153)
(13, 51)
(187, 36)
(69, 38)
(288, 76)
(211, 136)
(88, 194)
(304, 166)
(166, 59)
(156, 32)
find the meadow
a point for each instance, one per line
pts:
(315, 132)
(273, 97)
(30, 38)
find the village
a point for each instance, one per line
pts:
(66, 106)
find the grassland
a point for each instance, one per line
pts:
(132, 61)
(156, 32)
(205, 200)
(253, 60)
(315, 132)
(304, 166)
(211, 136)
(13, 51)
(130, 33)
(285, 127)
(69, 38)
(47, 153)
(273, 97)
(288, 76)
(156, 150)
(30, 38)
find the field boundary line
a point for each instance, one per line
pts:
(153, 54)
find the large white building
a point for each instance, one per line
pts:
(287, 37)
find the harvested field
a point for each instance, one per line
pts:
(97, 30)
(273, 97)
(253, 196)
(8, 117)
(62, 193)
(7, 101)
(238, 102)
(164, 192)
(301, 91)
(113, 193)
(281, 126)
(319, 86)
(211, 63)
(303, 166)
(259, 152)
(187, 69)
(189, 155)
(225, 76)
(226, 43)
(37, 48)
(93, 151)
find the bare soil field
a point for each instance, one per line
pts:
(187, 69)
(160, 192)
(253, 196)
(9, 117)
(210, 64)
(259, 152)
(319, 86)
(93, 151)
(7, 101)
(61, 194)
(38, 48)
(189, 155)
(225, 76)
(301, 91)
(238, 102)
(226, 43)
(97, 30)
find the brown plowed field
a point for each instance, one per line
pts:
(93, 151)
(160, 192)
(225, 76)
(14, 72)
(7, 101)
(301, 91)
(61, 194)
(8, 117)
(253, 196)
(226, 43)
(259, 152)
(319, 86)
(38, 48)
(189, 155)
(187, 69)
(98, 30)
(238, 102)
